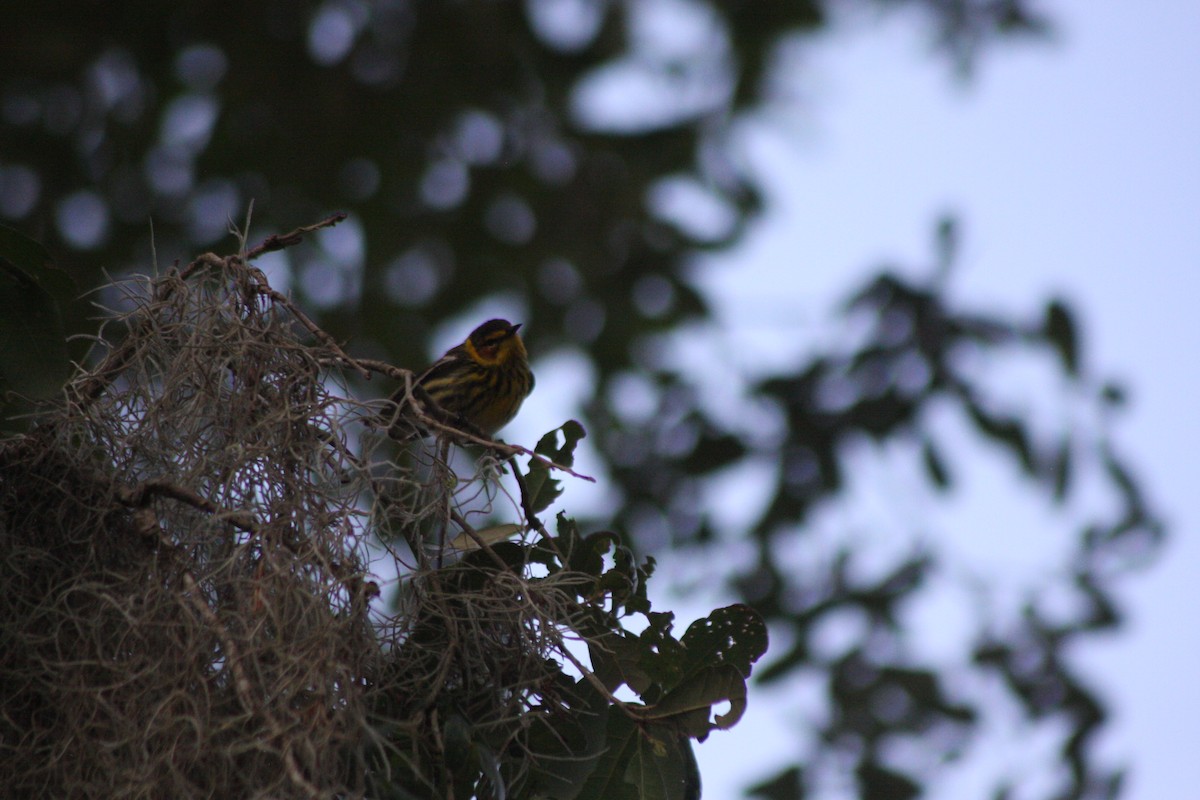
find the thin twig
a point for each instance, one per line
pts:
(374, 365)
(593, 680)
(503, 449)
(312, 327)
(475, 537)
(516, 449)
(453, 426)
(531, 518)
(277, 241)
(140, 495)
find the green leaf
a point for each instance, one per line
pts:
(33, 344)
(714, 660)
(642, 761)
(557, 553)
(544, 490)
(626, 581)
(663, 765)
(682, 680)
(645, 662)
(588, 557)
(689, 706)
(663, 658)
(608, 778)
(617, 659)
(567, 745)
(734, 635)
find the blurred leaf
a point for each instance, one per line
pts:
(33, 263)
(935, 467)
(876, 782)
(712, 452)
(1007, 431)
(875, 295)
(784, 666)
(787, 785)
(1114, 395)
(1062, 332)
(33, 347)
(1060, 470)
(947, 242)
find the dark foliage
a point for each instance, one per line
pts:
(452, 134)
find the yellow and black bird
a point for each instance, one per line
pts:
(481, 382)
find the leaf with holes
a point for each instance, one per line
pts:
(544, 490)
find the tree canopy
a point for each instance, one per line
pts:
(523, 150)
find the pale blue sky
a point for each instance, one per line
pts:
(1075, 167)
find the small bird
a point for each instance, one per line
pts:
(481, 382)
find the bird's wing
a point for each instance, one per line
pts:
(444, 366)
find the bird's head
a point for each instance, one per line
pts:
(495, 342)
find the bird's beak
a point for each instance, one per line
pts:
(514, 328)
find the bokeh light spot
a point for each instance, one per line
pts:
(83, 219)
